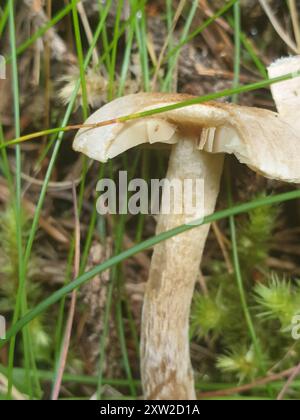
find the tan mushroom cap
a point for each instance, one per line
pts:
(286, 94)
(257, 137)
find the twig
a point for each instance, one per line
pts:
(52, 186)
(208, 12)
(277, 26)
(226, 74)
(247, 387)
(295, 21)
(68, 331)
(49, 225)
(88, 30)
(221, 242)
(294, 374)
(203, 285)
(167, 41)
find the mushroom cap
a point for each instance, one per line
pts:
(286, 94)
(257, 137)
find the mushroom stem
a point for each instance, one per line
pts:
(165, 357)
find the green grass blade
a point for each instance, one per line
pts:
(196, 100)
(21, 304)
(59, 294)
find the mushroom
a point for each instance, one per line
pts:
(200, 135)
